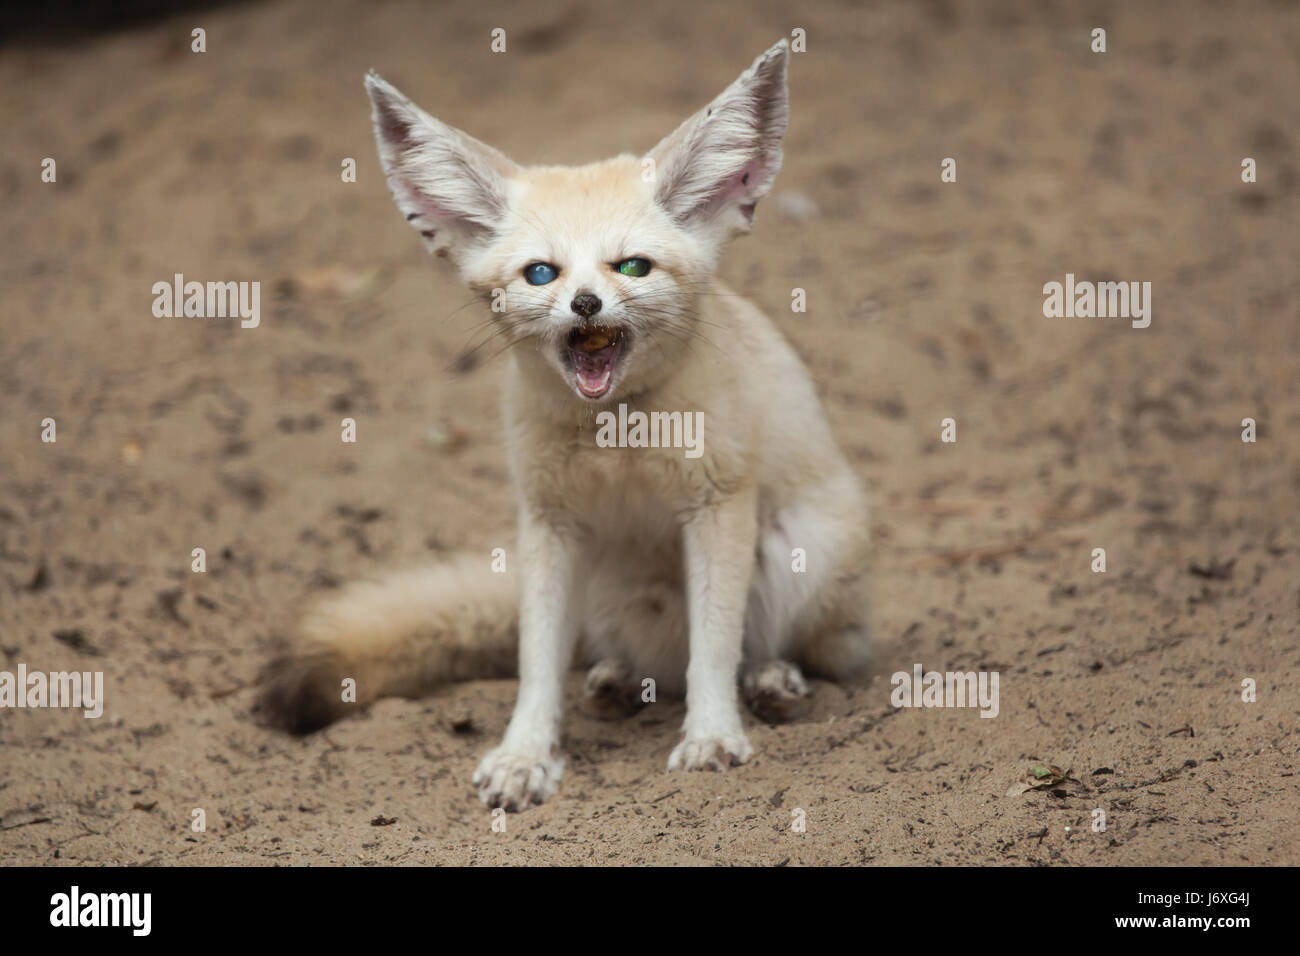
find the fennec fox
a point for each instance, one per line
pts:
(714, 571)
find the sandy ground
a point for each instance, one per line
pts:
(924, 302)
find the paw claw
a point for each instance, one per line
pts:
(711, 753)
(516, 781)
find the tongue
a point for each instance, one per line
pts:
(594, 371)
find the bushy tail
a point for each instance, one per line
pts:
(399, 635)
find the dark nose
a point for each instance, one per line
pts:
(585, 304)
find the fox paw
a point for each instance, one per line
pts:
(710, 753)
(611, 693)
(776, 692)
(516, 781)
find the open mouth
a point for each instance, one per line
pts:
(594, 352)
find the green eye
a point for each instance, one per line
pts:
(635, 268)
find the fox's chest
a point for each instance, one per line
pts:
(618, 477)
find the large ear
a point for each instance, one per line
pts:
(715, 167)
(450, 187)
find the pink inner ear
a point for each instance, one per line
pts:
(418, 206)
(740, 188)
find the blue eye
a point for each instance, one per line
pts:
(540, 273)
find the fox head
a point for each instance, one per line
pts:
(595, 271)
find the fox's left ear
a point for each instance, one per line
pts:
(714, 168)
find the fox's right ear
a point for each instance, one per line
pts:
(450, 187)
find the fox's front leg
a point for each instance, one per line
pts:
(719, 542)
(526, 768)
